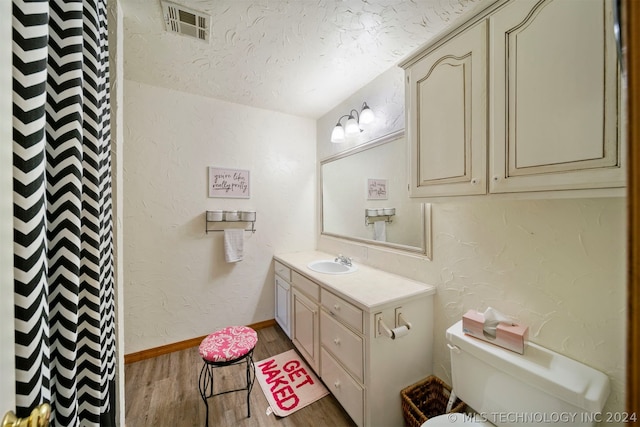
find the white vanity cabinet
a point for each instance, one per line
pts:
(366, 371)
(333, 327)
(283, 297)
(551, 108)
(343, 349)
(305, 321)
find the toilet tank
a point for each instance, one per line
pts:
(537, 387)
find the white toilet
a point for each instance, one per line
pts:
(507, 389)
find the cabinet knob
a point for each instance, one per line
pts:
(336, 341)
(496, 178)
(336, 384)
(336, 307)
(475, 181)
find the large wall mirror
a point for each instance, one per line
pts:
(373, 177)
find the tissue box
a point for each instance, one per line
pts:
(512, 338)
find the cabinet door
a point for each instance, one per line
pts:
(446, 115)
(554, 102)
(306, 328)
(283, 303)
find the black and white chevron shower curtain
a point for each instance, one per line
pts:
(63, 244)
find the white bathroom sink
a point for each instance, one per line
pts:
(331, 267)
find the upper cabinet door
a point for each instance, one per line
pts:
(555, 97)
(446, 114)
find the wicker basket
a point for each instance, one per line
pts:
(427, 399)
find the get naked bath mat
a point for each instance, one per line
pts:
(288, 383)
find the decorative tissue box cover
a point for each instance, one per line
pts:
(512, 338)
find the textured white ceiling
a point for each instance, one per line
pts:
(300, 57)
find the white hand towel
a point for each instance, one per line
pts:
(380, 231)
(233, 244)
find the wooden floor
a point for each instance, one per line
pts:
(163, 391)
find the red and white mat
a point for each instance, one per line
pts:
(288, 383)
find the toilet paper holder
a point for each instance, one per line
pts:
(400, 320)
(401, 329)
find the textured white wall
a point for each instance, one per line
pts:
(177, 284)
(555, 265)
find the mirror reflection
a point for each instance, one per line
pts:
(364, 197)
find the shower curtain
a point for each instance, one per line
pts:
(63, 239)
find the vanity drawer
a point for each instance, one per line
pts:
(282, 271)
(344, 344)
(305, 285)
(350, 314)
(348, 392)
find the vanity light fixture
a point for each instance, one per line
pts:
(352, 126)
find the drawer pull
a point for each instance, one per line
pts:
(336, 341)
(336, 307)
(336, 384)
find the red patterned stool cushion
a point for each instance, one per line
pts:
(228, 344)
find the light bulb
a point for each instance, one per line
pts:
(337, 135)
(366, 116)
(352, 128)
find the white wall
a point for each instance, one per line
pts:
(555, 265)
(177, 284)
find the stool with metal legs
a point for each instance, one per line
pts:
(229, 346)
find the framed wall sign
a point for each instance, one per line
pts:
(229, 183)
(377, 189)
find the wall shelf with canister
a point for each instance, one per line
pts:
(219, 217)
(378, 213)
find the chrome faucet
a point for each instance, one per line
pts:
(343, 260)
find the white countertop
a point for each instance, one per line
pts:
(367, 287)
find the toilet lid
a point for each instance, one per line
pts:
(454, 419)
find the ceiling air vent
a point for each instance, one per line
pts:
(188, 22)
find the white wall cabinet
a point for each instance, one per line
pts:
(446, 107)
(553, 102)
(333, 327)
